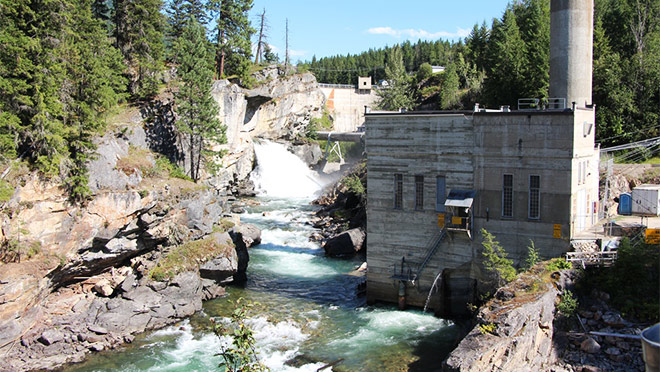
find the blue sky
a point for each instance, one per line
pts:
(331, 27)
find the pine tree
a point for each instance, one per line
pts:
(139, 28)
(232, 34)
(93, 71)
(533, 16)
(449, 97)
(398, 93)
(30, 77)
(197, 121)
(58, 74)
(179, 12)
(507, 62)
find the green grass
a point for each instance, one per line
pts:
(6, 191)
(224, 225)
(150, 164)
(186, 257)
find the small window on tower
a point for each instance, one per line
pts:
(507, 195)
(419, 192)
(534, 197)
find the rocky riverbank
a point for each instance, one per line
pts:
(522, 329)
(95, 282)
(342, 218)
(148, 246)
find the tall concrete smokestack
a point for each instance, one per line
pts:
(571, 50)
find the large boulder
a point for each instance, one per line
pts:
(310, 153)
(248, 233)
(242, 242)
(222, 267)
(345, 244)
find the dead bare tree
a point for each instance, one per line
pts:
(263, 35)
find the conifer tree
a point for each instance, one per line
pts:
(398, 93)
(197, 121)
(30, 76)
(179, 12)
(139, 28)
(507, 62)
(93, 70)
(232, 34)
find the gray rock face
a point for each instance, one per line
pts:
(222, 267)
(310, 153)
(51, 336)
(143, 308)
(345, 244)
(203, 211)
(103, 173)
(522, 340)
(249, 233)
(280, 108)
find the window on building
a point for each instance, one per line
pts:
(535, 197)
(398, 191)
(440, 193)
(507, 195)
(419, 192)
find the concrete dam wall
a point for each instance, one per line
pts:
(346, 105)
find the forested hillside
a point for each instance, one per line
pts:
(65, 64)
(509, 59)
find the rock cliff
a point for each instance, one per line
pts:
(514, 331)
(89, 284)
(88, 278)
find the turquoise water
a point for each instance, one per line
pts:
(308, 312)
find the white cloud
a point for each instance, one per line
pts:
(417, 34)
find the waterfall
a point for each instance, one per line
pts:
(435, 283)
(280, 173)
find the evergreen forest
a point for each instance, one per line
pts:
(509, 59)
(65, 65)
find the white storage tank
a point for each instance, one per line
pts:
(646, 200)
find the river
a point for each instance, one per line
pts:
(307, 312)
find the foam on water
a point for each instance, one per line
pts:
(294, 239)
(280, 173)
(287, 264)
(388, 327)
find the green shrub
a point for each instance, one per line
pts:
(558, 264)
(632, 283)
(241, 355)
(425, 71)
(495, 260)
(324, 123)
(533, 256)
(187, 256)
(165, 168)
(487, 329)
(6, 191)
(568, 304)
(354, 184)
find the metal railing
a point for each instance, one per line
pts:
(430, 253)
(405, 271)
(584, 259)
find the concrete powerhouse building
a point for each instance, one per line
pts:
(435, 179)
